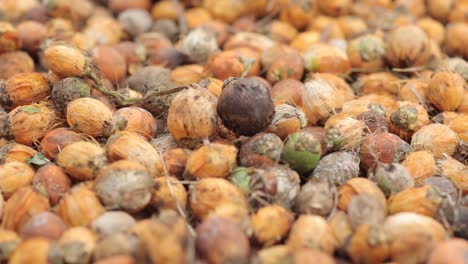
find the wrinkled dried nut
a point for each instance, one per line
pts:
(245, 106)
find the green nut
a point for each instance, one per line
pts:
(302, 152)
(240, 177)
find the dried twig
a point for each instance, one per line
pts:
(248, 62)
(411, 69)
(125, 101)
(171, 191)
